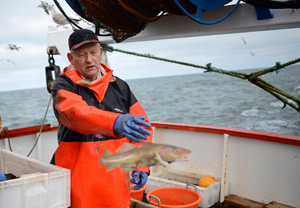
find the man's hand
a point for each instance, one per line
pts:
(139, 178)
(130, 126)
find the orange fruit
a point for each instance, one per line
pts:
(205, 180)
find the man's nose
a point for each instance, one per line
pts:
(88, 58)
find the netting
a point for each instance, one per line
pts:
(126, 18)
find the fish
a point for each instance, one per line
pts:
(129, 157)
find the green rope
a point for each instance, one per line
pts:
(274, 68)
(252, 77)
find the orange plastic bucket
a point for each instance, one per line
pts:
(137, 194)
(174, 197)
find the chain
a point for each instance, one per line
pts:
(51, 60)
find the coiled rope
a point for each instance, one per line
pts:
(252, 77)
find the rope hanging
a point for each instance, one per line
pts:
(252, 77)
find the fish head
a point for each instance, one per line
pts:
(171, 153)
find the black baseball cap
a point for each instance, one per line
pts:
(81, 37)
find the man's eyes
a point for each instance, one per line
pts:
(83, 54)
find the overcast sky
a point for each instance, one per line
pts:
(26, 25)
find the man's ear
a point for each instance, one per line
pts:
(70, 57)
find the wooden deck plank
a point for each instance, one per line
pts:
(277, 205)
(240, 202)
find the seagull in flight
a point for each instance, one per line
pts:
(45, 6)
(13, 47)
(8, 60)
(60, 19)
(244, 41)
(297, 89)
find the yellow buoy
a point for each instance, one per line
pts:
(205, 180)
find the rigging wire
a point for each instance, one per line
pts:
(97, 24)
(72, 23)
(38, 137)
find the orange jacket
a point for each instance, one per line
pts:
(86, 113)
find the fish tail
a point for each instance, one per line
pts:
(100, 162)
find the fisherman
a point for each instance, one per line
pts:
(96, 111)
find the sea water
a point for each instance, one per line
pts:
(205, 99)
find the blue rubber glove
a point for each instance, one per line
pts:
(2, 176)
(130, 126)
(139, 178)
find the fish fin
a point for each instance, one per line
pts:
(100, 161)
(144, 143)
(106, 153)
(109, 168)
(125, 147)
(161, 161)
(98, 151)
(127, 170)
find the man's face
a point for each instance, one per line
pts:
(86, 60)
